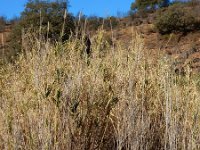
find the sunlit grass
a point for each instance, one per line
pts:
(119, 98)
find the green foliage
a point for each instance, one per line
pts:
(144, 5)
(2, 23)
(44, 19)
(94, 22)
(40, 13)
(111, 22)
(177, 18)
(14, 43)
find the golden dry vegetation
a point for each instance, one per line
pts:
(55, 97)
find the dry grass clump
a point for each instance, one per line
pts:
(55, 97)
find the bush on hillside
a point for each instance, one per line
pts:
(94, 22)
(111, 22)
(177, 18)
(146, 5)
(2, 23)
(44, 19)
(48, 17)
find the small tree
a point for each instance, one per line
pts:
(144, 5)
(94, 22)
(2, 23)
(47, 19)
(177, 18)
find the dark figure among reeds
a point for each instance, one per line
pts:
(87, 43)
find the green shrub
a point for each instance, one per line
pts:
(94, 22)
(146, 5)
(44, 19)
(48, 18)
(2, 23)
(111, 22)
(176, 18)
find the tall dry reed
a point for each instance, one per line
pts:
(55, 97)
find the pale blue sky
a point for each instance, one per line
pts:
(103, 8)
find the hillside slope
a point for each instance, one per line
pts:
(184, 49)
